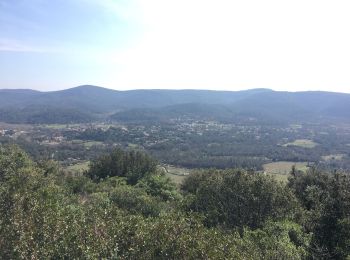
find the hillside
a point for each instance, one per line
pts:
(88, 103)
(104, 100)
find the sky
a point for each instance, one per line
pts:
(293, 45)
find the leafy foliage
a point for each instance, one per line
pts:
(235, 198)
(326, 200)
(46, 213)
(132, 165)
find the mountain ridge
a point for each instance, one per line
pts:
(89, 103)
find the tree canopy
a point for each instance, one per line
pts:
(123, 208)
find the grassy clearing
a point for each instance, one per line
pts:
(279, 177)
(177, 174)
(176, 178)
(133, 146)
(77, 141)
(284, 167)
(333, 157)
(78, 167)
(306, 143)
(281, 170)
(89, 144)
(296, 126)
(60, 126)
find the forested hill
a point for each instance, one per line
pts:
(88, 103)
(105, 100)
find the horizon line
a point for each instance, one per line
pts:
(169, 89)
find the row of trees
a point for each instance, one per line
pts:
(126, 208)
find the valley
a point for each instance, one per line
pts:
(94, 173)
(190, 144)
(189, 130)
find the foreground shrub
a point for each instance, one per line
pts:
(234, 198)
(133, 165)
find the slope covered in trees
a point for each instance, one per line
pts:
(262, 105)
(45, 115)
(218, 214)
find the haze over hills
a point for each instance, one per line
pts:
(89, 103)
(105, 100)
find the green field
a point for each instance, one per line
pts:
(306, 143)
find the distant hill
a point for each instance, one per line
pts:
(105, 100)
(88, 103)
(36, 114)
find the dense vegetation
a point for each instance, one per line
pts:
(206, 144)
(125, 208)
(44, 115)
(132, 165)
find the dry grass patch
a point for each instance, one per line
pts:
(306, 143)
(333, 157)
(78, 167)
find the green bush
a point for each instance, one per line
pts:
(235, 198)
(133, 165)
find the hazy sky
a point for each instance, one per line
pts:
(126, 44)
